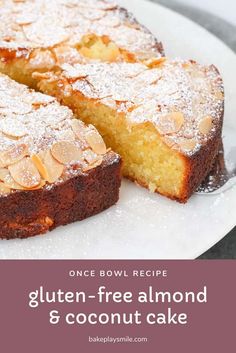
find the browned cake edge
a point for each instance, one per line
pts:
(202, 162)
(200, 165)
(28, 213)
(197, 167)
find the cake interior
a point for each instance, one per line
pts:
(146, 158)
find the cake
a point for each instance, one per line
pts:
(42, 35)
(54, 170)
(163, 117)
(164, 121)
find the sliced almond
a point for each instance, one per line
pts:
(92, 166)
(13, 155)
(95, 141)
(25, 19)
(67, 134)
(206, 125)
(40, 166)
(66, 54)
(4, 190)
(10, 183)
(40, 186)
(188, 145)
(171, 123)
(13, 128)
(111, 21)
(25, 173)
(44, 33)
(78, 128)
(20, 108)
(3, 173)
(41, 59)
(54, 168)
(91, 157)
(92, 15)
(66, 152)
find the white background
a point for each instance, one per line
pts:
(225, 9)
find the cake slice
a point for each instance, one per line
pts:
(54, 170)
(42, 35)
(164, 119)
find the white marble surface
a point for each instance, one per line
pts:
(225, 9)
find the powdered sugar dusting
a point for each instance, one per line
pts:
(48, 24)
(32, 123)
(182, 99)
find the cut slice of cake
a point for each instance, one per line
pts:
(165, 119)
(42, 35)
(54, 170)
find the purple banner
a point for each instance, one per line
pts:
(129, 306)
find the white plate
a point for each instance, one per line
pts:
(142, 225)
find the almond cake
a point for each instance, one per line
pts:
(163, 117)
(54, 170)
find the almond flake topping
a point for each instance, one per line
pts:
(49, 24)
(54, 169)
(188, 145)
(95, 141)
(13, 128)
(4, 190)
(40, 166)
(206, 125)
(78, 129)
(3, 174)
(10, 183)
(170, 97)
(171, 123)
(66, 152)
(25, 173)
(13, 155)
(39, 147)
(91, 157)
